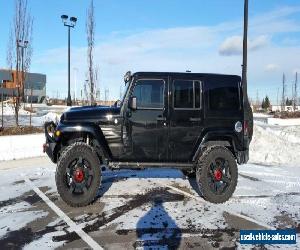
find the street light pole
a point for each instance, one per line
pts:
(245, 47)
(69, 100)
(70, 24)
(75, 83)
(2, 100)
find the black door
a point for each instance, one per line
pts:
(186, 118)
(147, 128)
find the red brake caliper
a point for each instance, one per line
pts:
(78, 175)
(218, 174)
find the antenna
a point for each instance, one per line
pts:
(245, 48)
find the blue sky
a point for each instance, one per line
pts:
(169, 35)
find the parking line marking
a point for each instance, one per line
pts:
(73, 226)
(225, 210)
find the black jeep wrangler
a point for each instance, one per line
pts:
(199, 123)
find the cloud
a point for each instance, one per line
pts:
(271, 67)
(296, 71)
(234, 45)
(275, 21)
(199, 49)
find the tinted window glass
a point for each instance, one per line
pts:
(183, 94)
(149, 93)
(187, 94)
(224, 98)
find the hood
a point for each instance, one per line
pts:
(90, 113)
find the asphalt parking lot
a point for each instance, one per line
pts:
(154, 208)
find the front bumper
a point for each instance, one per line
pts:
(50, 146)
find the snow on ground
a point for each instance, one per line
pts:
(9, 110)
(137, 200)
(270, 120)
(40, 121)
(42, 113)
(21, 146)
(275, 145)
(259, 115)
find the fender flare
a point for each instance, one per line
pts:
(220, 138)
(89, 128)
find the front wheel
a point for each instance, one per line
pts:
(78, 175)
(217, 174)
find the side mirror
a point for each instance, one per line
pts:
(132, 103)
(127, 77)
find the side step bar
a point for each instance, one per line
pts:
(142, 165)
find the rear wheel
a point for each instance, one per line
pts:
(217, 174)
(78, 175)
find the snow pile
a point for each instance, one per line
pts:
(283, 122)
(259, 115)
(275, 145)
(290, 133)
(40, 121)
(9, 110)
(21, 146)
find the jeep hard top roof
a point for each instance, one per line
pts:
(185, 75)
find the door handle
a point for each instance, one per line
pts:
(194, 119)
(161, 118)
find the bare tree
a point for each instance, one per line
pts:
(19, 58)
(283, 101)
(93, 71)
(295, 92)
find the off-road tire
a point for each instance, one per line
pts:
(202, 169)
(78, 149)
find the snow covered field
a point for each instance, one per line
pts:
(42, 114)
(14, 147)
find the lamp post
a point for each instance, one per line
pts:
(75, 83)
(245, 45)
(23, 45)
(2, 106)
(70, 24)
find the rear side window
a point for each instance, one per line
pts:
(187, 94)
(224, 96)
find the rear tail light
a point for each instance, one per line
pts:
(246, 128)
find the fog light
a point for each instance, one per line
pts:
(57, 133)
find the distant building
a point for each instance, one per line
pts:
(277, 108)
(34, 81)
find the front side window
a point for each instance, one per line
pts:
(149, 93)
(187, 94)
